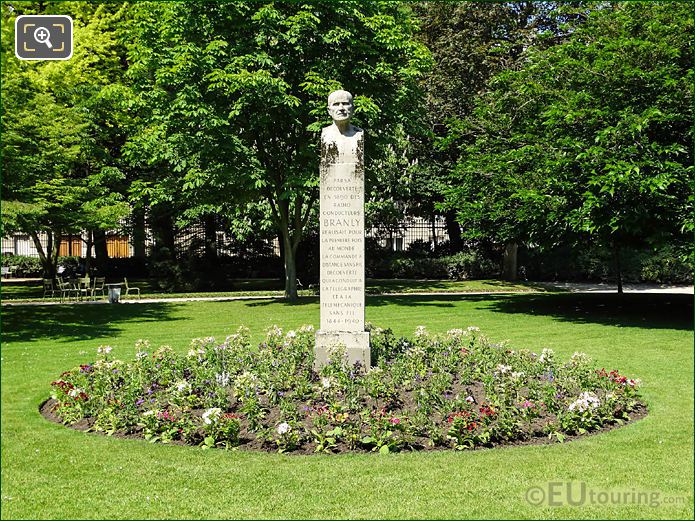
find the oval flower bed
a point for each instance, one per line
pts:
(457, 391)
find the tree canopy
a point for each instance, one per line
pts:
(537, 123)
(59, 159)
(233, 97)
(590, 139)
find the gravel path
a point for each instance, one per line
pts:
(573, 287)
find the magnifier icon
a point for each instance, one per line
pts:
(42, 35)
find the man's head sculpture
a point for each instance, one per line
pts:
(340, 106)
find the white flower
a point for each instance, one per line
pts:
(326, 382)
(291, 334)
(585, 402)
(140, 355)
(212, 415)
(274, 331)
(634, 382)
(142, 345)
(472, 329)
(455, 332)
(245, 383)
(580, 358)
(223, 378)
(421, 331)
(306, 328)
(182, 386)
(74, 392)
(104, 350)
(414, 351)
(284, 428)
(470, 399)
(196, 353)
(501, 368)
(517, 374)
(148, 413)
(547, 355)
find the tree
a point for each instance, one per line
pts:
(471, 42)
(235, 96)
(58, 173)
(590, 140)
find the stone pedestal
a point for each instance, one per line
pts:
(342, 246)
(356, 346)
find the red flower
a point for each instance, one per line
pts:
(486, 410)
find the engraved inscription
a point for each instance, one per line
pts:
(342, 236)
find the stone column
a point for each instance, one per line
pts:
(342, 239)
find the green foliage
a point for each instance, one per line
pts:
(232, 97)
(60, 140)
(465, 265)
(591, 138)
(24, 266)
(469, 264)
(663, 265)
(470, 42)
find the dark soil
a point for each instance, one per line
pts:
(248, 440)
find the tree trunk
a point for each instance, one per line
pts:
(290, 268)
(101, 251)
(618, 269)
(139, 233)
(290, 236)
(454, 231)
(88, 259)
(164, 235)
(49, 271)
(210, 225)
(509, 262)
(281, 243)
(54, 249)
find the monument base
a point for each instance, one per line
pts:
(356, 346)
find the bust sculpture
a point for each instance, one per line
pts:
(342, 142)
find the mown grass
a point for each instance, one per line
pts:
(49, 471)
(32, 291)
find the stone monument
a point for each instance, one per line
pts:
(342, 235)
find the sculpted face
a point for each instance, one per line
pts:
(340, 106)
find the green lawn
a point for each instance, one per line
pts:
(33, 290)
(49, 471)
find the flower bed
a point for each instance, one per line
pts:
(456, 391)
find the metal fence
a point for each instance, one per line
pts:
(405, 233)
(191, 240)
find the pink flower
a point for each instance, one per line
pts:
(395, 421)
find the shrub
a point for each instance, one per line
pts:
(418, 268)
(24, 266)
(470, 265)
(457, 391)
(667, 265)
